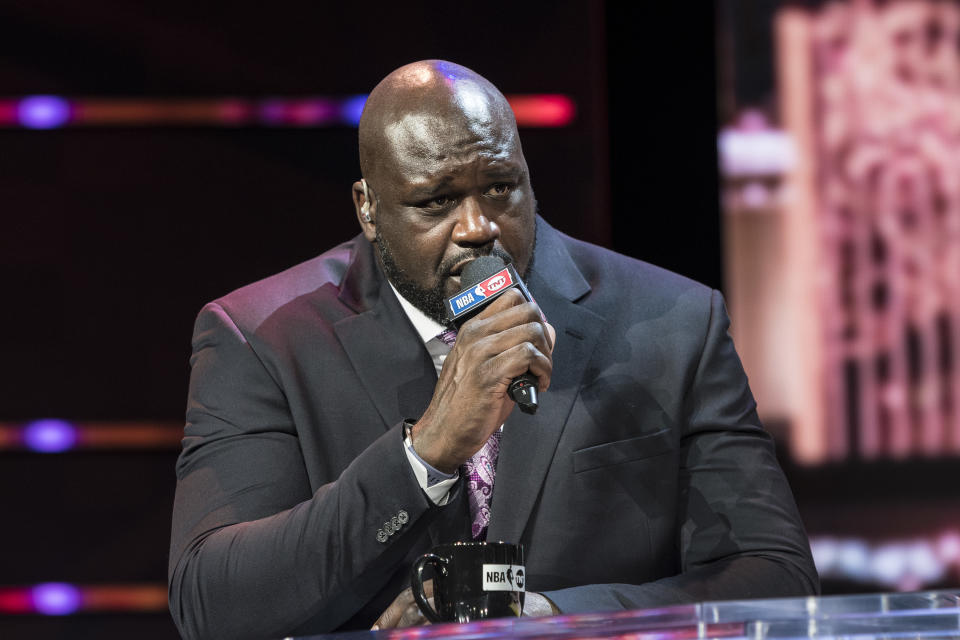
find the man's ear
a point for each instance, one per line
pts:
(364, 202)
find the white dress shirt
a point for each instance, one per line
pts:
(434, 482)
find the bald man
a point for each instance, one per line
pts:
(328, 421)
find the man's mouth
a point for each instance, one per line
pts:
(458, 268)
(454, 282)
(453, 274)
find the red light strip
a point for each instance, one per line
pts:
(143, 597)
(53, 112)
(546, 110)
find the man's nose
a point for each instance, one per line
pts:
(473, 228)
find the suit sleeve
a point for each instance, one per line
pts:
(253, 552)
(740, 534)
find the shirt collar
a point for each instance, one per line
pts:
(426, 327)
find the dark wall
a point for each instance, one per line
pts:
(118, 236)
(115, 237)
(663, 128)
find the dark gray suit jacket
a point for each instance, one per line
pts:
(644, 479)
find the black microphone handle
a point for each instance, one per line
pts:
(523, 391)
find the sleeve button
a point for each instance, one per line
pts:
(381, 535)
(402, 517)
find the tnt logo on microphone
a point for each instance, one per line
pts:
(494, 283)
(503, 577)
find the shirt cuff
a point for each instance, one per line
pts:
(435, 483)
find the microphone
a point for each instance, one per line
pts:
(484, 280)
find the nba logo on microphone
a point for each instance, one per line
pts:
(466, 300)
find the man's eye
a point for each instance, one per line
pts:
(437, 203)
(500, 189)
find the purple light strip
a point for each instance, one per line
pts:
(43, 112)
(55, 598)
(49, 435)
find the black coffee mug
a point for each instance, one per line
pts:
(472, 580)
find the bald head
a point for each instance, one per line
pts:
(423, 108)
(445, 180)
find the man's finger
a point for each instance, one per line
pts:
(403, 611)
(391, 617)
(517, 360)
(533, 333)
(515, 314)
(412, 616)
(509, 298)
(552, 334)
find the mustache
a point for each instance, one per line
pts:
(469, 254)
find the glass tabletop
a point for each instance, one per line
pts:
(927, 615)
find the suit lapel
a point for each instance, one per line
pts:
(382, 345)
(529, 441)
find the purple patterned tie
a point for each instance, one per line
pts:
(448, 336)
(479, 471)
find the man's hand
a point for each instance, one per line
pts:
(470, 401)
(403, 611)
(536, 605)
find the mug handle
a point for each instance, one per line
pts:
(416, 583)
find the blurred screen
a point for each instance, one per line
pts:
(840, 177)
